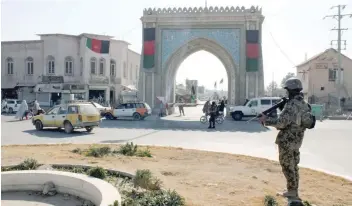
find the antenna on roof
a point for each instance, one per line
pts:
(205, 3)
(306, 57)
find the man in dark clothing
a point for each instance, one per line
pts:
(212, 111)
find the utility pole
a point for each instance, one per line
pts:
(339, 17)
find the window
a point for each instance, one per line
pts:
(93, 63)
(68, 66)
(81, 66)
(53, 111)
(130, 71)
(72, 110)
(112, 68)
(322, 88)
(265, 102)
(129, 106)
(29, 65)
(124, 70)
(140, 105)
(332, 74)
(9, 63)
(51, 65)
(253, 103)
(121, 106)
(101, 66)
(137, 72)
(275, 101)
(62, 110)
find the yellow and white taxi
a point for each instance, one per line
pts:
(71, 115)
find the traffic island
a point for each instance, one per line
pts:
(200, 177)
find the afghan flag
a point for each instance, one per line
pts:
(98, 46)
(149, 48)
(252, 50)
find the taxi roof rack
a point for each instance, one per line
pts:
(77, 101)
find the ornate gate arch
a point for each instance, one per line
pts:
(172, 64)
(171, 35)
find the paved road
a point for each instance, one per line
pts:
(326, 148)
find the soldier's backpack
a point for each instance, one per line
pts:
(308, 119)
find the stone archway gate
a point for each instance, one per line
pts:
(231, 34)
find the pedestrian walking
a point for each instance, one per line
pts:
(181, 108)
(22, 111)
(212, 111)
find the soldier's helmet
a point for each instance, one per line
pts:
(293, 84)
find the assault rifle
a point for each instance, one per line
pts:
(272, 109)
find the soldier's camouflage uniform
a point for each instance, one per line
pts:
(290, 138)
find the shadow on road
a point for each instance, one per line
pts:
(183, 125)
(128, 140)
(56, 133)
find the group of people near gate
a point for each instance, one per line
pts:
(213, 110)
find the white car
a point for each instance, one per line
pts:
(101, 108)
(136, 110)
(253, 107)
(13, 105)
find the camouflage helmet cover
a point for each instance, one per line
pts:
(293, 84)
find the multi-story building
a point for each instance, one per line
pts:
(319, 76)
(60, 65)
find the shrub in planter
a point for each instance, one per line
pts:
(152, 198)
(29, 164)
(146, 180)
(97, 172)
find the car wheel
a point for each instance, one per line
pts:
(237, 116)
(109, 116)
(203, 119)
(38, 125)
(68, 127)
(137, 116)
(89, 129)
(10, 110)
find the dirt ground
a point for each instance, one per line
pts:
(203, 178)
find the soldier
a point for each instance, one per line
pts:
(291, 123)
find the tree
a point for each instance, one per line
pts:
(272, 87)
(288, 75)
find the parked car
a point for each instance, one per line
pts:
(71, 115)
(136, 110)
(13, 106)
(103, 110)
(253, 107)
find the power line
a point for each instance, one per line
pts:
(339, 30)
(281, 50)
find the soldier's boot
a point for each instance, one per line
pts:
(289, 194)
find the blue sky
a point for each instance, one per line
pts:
(291, 28)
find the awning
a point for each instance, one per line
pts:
(25, 85)
(51, 88)
(129, 87)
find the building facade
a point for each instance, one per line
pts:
(58, 66)
(319, 76)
